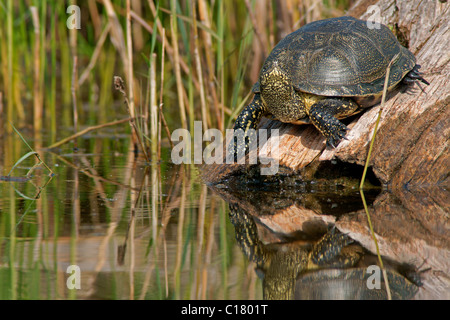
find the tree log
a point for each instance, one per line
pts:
(412, 143)
(411, 156)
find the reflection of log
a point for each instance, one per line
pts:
(412, 144)
(411, 227)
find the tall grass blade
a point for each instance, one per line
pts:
(383, 99)
(176, 58)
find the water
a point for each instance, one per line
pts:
(108, 225)
(136, 231)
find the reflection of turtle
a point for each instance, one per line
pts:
(312, 269)
(281, 264)
(325, 71)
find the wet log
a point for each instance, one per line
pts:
(412, 143)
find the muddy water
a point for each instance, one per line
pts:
(107, 225)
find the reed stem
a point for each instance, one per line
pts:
(74, 90)
(176, 58)
(37, 91)
(10, 90)
(361, 186)
(153, 108)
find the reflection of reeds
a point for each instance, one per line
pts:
(31, 153)
(139, 238)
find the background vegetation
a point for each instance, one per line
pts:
(193, 60)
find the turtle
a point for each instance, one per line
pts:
(326, 71)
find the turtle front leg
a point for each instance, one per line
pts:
(324, 114)
(248, 119)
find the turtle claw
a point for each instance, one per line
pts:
(415, 75)
(330, 144)
(339, 133)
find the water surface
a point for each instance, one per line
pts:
(109, 225)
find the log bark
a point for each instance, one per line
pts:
(412, 143)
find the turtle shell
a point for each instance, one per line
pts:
(340, 57)
(352, 284)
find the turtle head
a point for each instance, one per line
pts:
(277, 91)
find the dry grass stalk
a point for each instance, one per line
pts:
(383, 99)
(117, 38)
(37, 90)
(210, 63)
(74, 95)
(95, 18)
(259, 36)
(176, 59)
(138, 37)
(86, 130)
(153, 108)
(95, 55)
(130, 71)
(137, 139)
(1, 120)
(10, 53)
(161, 94)
(199, 70)
(184, 67)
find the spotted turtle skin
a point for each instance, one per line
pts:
(326, 71)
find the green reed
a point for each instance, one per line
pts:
(208, 50)
(361, 186)
(51, 93)
(9, 77)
